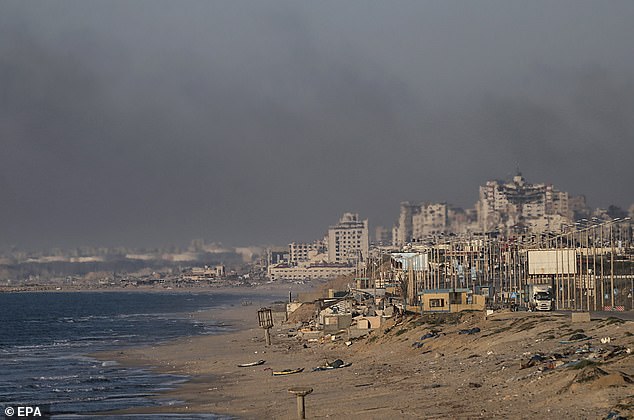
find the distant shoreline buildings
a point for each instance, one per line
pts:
(344, 248)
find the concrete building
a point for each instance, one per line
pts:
(204, 273)
(578, 207)
(276, 256)
(430, 219)
(308, 271)
(403, 231)
(300, 252)
(382, 235)
(345, 246)
(519, 206)
(348, 240)
(420, 221)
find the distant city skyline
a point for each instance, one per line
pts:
(152, 123)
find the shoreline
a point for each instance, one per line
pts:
(255, 289)
(187, 356)
(241, 320)
(454, 376)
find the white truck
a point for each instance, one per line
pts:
(540, 297)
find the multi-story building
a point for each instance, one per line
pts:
(419, 221)
(341, 251)
(348, 240)
(300, 252)
(520, 206)
(308, 271)
(403, 231)
(578, 207)
(382, 235)
(431, 219)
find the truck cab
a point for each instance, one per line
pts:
(539, 297)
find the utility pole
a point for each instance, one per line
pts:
(611, 266)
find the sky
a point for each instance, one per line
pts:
(150, 123)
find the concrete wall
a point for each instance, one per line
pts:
(334, 323)
(371, 322)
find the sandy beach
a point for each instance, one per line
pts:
(394, 373)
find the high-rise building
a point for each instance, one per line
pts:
(520, 206)
(382, 235)
(348, 240)
(419, 221)
(431, 219)
(404, 229)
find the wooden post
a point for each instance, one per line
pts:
(301, 392)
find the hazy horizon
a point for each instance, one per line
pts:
(150, 123)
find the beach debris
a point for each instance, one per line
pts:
(470, 331)
(337, 364)
(287, 372)
(606, 340)
(417, 344)
(257, 363)
(617, 351)
(613, 415)
(301, 392)
(576, 338)
(474, 385)
(432, 334)
(348, 343)
(535, 359)
(553, 364)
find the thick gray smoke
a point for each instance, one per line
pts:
(155, 122)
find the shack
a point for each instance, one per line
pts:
(451, 300)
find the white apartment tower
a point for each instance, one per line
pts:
(348, 241)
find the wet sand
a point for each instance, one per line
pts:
(452, 376)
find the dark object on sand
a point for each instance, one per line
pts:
(337, 364)
(575, 338)
(470, 331)
(430, 335)
(535, 359)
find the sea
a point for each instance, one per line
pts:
(46, 339)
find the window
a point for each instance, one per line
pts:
(436, 303)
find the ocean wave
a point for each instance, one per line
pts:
(56, 378)
(47, 360)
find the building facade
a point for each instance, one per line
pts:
(518, 206)
(301, 251)
(348, 240)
